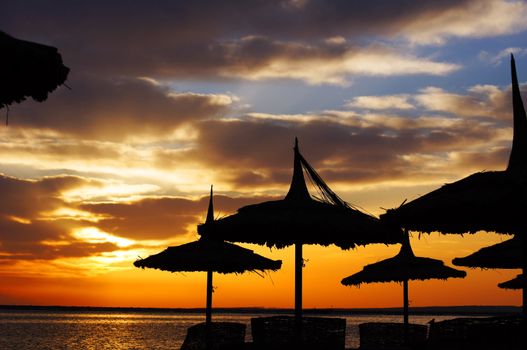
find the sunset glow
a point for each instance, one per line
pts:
(388, 103)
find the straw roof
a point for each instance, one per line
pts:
(283, 223)
(489, 201)
(515, 283)
(504, 255)
(399, 269)
(299, 218)
(208, 255)
(28, 70)
(403, 267)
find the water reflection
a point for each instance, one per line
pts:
(141, 330)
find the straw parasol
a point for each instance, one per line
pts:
(299, 219)
(504, 255)
(403, 267)
(485, 201)
(28, 69)
(210, 255)
(515, 283)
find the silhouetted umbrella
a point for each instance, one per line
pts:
(210, 255)
(488, 201)
(28, 69)
(403, 267)
(299, 219)
(515, 283)
(504, 255)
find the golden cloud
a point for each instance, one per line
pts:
(475, 19)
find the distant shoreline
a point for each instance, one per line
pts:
(423, 310)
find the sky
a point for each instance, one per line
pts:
(389, 99)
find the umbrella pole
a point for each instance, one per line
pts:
(299, 262)
(405, 310)
(208, 309)
(524, 273)
(298, 281)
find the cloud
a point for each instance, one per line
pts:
(250, 157)
(43, 241)
(26, 230)
(344, 153)
(116, 109)
(381, 102)
(231, 151)
(162, 217)
(473, 19)
(369, 147)
(480, 100)
(263, 40)
(162, 28)
(257, 58)
(480, 161)
(37, 147)
(122, 24)
(26, 199)
(477, 101)
(497, 59)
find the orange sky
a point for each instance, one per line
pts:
(389, 99)
(123, 285)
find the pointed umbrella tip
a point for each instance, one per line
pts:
(298, 187)
(210, 211)
(519, 142)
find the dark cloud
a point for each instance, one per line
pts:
(206, 18)
(25, 235)
(29, 230)
(485, 160)
(337, 150)
(35, 240)
(25, 199)
(478, 101)
(117, 108)
(162, 218)
(184, 38)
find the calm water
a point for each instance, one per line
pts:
(130, 330)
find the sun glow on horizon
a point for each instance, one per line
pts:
(386, 109)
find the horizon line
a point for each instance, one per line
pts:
(435, 310)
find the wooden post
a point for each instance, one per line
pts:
(524, 273)
(298, 280)
(405, 310)
(208, 309)
(299, 263)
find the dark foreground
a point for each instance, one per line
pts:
(282, 332)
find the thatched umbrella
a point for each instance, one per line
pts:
(299, 219)
(488, 201)
(211, 255)
(504, 255)
(403, 267)
(515, 283)
(28, 69)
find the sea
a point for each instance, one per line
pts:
(129, 328)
